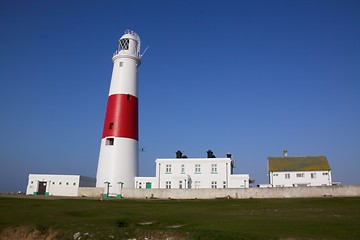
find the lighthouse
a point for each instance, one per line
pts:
(118, 157)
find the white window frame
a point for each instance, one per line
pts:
(197, 168)
(287, 175)
(168, 168)
(213, 184)
(214, 168)
(300, 175)
(182, 168)
(168, 184)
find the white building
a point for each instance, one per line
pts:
(298, 171)
(190, 173)
(57, 185)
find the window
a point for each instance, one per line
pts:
(111, 125)
(213, 168)
(300, 175)
(32, 182)
(313, 175)
(53, 183)
(74, 184)
(124, 44)
(120, 64)
(213, 184)
(109, 141)
(197, 168)
(197, 184)
(224, 184)
(168, 184)
(59, 183)
(168, 168)
(325, 173)
(275, 174)
(180, 184)
(182, 168)
(67, 183)
(287, 175)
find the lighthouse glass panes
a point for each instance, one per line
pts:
(124, 44)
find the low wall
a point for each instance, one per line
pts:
(90, 192)
(291, 192)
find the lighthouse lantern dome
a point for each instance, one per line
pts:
(129, 43)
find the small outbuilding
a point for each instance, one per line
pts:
(57, 185)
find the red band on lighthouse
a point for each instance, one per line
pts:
(121, 118)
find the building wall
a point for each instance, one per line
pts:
(239, 181)
(193, 173)
(58, 185)
(306, 178)
(145, 182)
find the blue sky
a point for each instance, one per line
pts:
(247, 77)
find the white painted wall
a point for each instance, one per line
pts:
(193, 173)
(306, 178)
(289, 192)
(58, 185)
(143, 182)
(118, 163)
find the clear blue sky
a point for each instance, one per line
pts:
(247, 77)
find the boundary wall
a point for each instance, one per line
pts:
(237, 193)
(90, 191)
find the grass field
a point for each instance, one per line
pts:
(322, 218)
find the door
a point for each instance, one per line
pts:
(41, 188)
(148, 185)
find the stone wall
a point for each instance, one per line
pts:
(291, 192)
(90, 192)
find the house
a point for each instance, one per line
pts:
(192, 173)
(57, 185)
(288, 171)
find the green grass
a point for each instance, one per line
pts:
(322, 218)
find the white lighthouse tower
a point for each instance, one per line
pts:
(118, 158)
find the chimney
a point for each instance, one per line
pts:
(228, 155)
(285, 153)
(178, 154)
(210, 154)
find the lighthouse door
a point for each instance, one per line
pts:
(42, 188)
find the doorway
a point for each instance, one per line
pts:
(42, 188)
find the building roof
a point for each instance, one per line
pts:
(306, 163)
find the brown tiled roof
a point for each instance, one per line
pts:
(310, 163)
